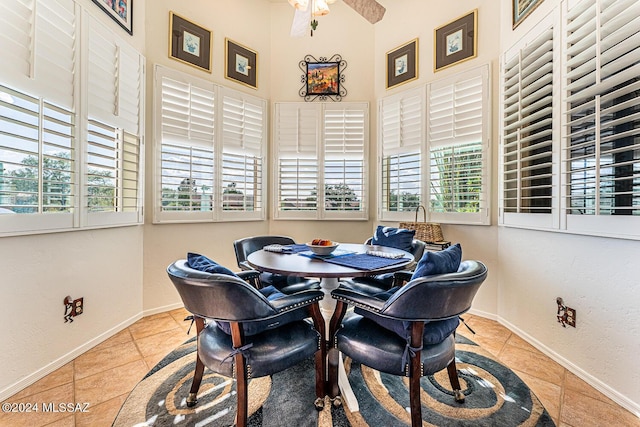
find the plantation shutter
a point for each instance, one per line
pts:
(114, 81)
(402, 122)
(527, 130)
(37, 114)
(296, 132)
(186, 123)
(38, 41)
(402, 136)
(17, 39)
(115, 76)
(55, 56)
(344, 158)
(603, 117)
(457, 111)
(243, 131)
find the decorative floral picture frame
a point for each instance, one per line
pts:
(402, 64)
(120, 11)
(521, 9)
(189, 43)
(456, 41)
(241, 64)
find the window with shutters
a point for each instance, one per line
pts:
(320, 157)
(574, 165)
(529, 131)
(458, 139)
(401, 130)
(58, 170)
(602, 144)
(435, 150)
(243, 141)
(114, 85)
(210, 145)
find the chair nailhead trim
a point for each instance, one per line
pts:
(299, 304)
(357, 304)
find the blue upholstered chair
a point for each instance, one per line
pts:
(244, 332)
(408, 332)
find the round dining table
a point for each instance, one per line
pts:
(295, 264)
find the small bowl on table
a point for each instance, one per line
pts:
(322, 250)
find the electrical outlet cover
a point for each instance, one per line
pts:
(570, 317)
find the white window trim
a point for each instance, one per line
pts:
(216, 214)
(320, 213)
(480, 218)
(530, 220)
(29, 81)
(421, 95)
(560, 220)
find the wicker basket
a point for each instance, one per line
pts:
(428, 232)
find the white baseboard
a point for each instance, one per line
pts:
(63, 360)
(162, 309)
(603, 388)
(484, 314)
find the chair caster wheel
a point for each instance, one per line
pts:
(319, 404)
(459, 396)
(336, 401)
(192, 400)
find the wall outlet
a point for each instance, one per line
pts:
(73, 308)
(570, 316)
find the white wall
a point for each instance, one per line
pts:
(39, 271)
(342, 32)
(599, 277)
(263, 27)
(406, 20)
(245, 22)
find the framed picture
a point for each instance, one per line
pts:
(521, 9)
(402, 64)
(456, 41)
(241, 64)
(323, 78)
(189, 43)
(120, 11)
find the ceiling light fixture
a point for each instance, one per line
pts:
(318, 8)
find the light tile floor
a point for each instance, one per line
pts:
(104, 376)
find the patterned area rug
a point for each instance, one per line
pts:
(495, 396)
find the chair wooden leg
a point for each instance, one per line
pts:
(192, 399)
(321, 356)
(455, 382)
(414, 401)
(415, 372)
(333, 389)
(237, 337)
(243, 399)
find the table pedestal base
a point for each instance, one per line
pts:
(327, 307)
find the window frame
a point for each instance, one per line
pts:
(561, 219)
(419, 142)
(68, 92)
(539, 221)
(217, 147)
(314, 139)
